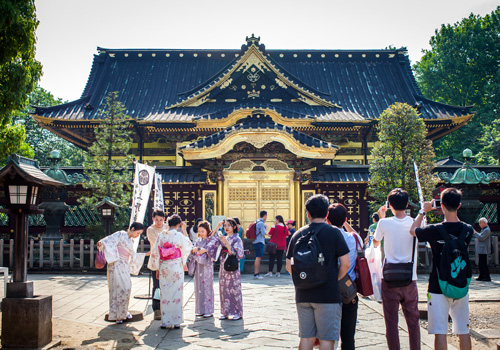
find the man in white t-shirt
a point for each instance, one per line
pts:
(398, 248)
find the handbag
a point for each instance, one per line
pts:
(363, 278)
(348, 290)
(271, 247)
(231, 263)
(399, 274)
(100, 260)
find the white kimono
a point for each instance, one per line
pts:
(171, 275)
(122, 261)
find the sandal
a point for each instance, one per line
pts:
(129, 316)
(163, 326)
(177, 326)
(223, 317)
(119, 321)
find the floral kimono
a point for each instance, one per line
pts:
(171, 273)
(231, 300)
(122, 261)
(203, 270)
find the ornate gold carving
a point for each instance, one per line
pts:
(242, 194)
(244, 164)
(280, 83)
(226, 83)
(275, 193)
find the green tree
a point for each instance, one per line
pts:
(402, 136)
(462, 68)
(42, 140)
(19, 71)
(107, 165)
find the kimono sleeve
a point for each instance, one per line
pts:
(237, 247)
(186, 246)
(154, 258)
(136, 262)
(213, 247)
(110, 244)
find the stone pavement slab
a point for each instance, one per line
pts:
(269, 322)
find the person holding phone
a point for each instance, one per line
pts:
(231, 299)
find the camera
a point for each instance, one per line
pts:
(436, 203)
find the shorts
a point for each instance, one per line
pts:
(319, 320)
(438, 308)
(259, 250)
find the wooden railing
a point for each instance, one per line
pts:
(79, 254)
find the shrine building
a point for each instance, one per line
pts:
(234, 132)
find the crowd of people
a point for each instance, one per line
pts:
(322, 314)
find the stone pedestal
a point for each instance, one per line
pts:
(20, 290)
(27, 322)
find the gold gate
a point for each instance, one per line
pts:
(249, 192)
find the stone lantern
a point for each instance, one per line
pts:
(26, 319)
(107, 211)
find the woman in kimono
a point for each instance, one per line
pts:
(122, 261)
(168, 259)
(231, 300)
(202, 267)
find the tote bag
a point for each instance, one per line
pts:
(363, 278)
(373, 256)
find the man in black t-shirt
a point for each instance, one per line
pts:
(438, 305)
(320, 309)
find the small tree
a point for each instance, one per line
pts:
(402, 135)
(107, 165)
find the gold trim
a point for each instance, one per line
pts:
(253, 57)
(259, 138)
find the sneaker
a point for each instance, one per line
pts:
(269, 274)
(157, 315)
(257, 277)
(278, 274)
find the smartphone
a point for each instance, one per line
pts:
(437, 203)
(387, 205)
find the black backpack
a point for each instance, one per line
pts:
(309, 268)
(454, 270)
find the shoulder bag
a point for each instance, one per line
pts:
(363, 277)
(399, 274)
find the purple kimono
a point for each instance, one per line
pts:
(203, 279)
(231, 300)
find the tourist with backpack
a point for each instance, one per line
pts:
(451, 271)
(399, 272)
(259, 242)
(317, 258)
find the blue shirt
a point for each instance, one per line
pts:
(351, 244)
(260, 232)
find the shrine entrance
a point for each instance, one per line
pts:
(246, 193)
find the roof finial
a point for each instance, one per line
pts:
(253, 40)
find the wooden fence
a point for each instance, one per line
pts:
(80, 254)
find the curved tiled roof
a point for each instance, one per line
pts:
(361, 82)
(263, 125)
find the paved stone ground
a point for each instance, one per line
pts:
(270, 319)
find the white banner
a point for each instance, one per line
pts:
(158, 191)
(143, 181)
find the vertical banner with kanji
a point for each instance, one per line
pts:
(159, 203)
(143, 181)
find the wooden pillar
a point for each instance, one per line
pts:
(220, 193)
(298, 199)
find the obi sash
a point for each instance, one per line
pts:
(123, 252)
(169, 252)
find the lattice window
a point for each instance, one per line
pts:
(243, 164)
(275, 165)
(242, 194)
(275, 194)
(4, 219)
(37, 220)
(79, 216)
(490, 212)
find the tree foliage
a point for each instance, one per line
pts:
(107, 165)
(19, 71)
(42, 140)
(13, 137)
(402, 136)
(462, 68)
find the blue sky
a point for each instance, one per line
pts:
(70, 30)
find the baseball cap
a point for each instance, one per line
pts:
(290, 222)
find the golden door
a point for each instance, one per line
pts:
(247, 193)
